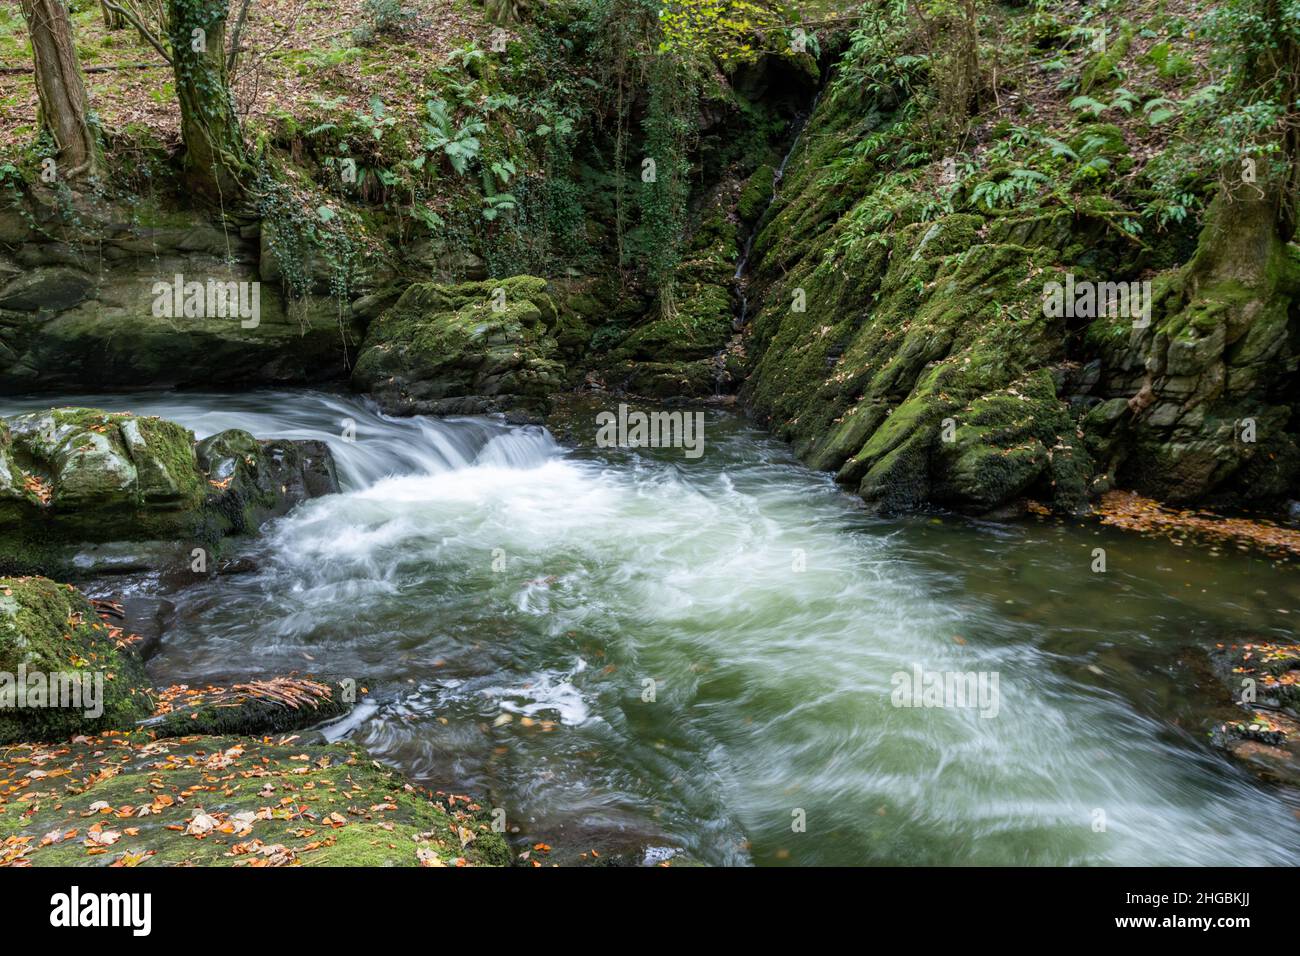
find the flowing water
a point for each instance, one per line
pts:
(628, 649)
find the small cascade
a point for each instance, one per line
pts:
(368, 445)
(739, 277)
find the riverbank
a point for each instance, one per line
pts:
(129, 800)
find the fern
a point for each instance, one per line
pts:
(1005, 193)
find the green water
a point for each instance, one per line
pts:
(476, 578)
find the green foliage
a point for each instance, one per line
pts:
(1007, 191)
(668, 126)
(376, 119)
(496, 204)
(729, 31)
(458, 143)
(302, 231)
(1121, 100)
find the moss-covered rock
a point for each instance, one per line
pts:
(228, 801)
(464, 349)
(74, 475)
(756, 195)
(51, 638)
(268, 706)
(677, 349)
(1209, 412)
(252, 481)
(913, 366)
(904, 342)
(83, 312)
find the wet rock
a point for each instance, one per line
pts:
(267, 706)
(1266, 744)
(46, 290)
(254, 481)
(1263, 678)
(1261, 671)
(73, 481)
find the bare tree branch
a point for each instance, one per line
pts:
(136, 22)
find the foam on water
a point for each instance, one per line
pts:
(711, 644)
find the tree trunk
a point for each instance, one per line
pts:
(1272, 71)
(505, 12)
(113, 19)
(61, 89)
(215, 161)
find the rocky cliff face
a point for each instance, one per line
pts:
(1204, 405)
(90, 299)
(904, 343)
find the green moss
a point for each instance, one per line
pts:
(303, 804)
(477, 346)
(756, 195)
(50, 629)
(71, 476)
(906, 324)
(1104, 69)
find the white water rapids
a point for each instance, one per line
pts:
(509, 603)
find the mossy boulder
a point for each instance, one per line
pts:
(251, 481)
(50, 635)
(70, 476)
(85, 474)
(228, 801)
(756, 195)
(1011, 442)
(470, 348)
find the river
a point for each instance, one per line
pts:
(626, 649)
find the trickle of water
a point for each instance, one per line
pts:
(742, 296)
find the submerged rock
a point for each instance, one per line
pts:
(471, 348)
(52, 638)
(70, 476)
